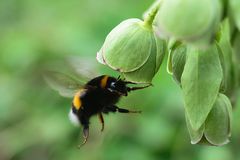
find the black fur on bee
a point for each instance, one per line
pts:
(98, 96)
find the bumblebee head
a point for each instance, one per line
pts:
(118, 86)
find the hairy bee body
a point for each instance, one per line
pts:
(99, 95)
(94, 98)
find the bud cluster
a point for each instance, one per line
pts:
(203, 48)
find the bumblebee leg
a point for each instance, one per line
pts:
(85, 123)
(115, 108)
(100, 116)
(121, 110)
(137, 88)
(128, 82)
(85, 136)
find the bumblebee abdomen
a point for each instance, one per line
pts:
(94, 97)
(77, 101)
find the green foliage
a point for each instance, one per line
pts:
(218, 122)
(34, 119)
(226, 57)
(202, 50)
(201, 80)
(216, 129)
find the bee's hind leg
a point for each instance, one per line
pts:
(85, 136)
(85, 124)
(100, 116)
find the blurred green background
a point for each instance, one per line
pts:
(34, 119)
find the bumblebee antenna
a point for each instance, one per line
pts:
(119, 77)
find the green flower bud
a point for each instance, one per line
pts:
(99, 57)
(133, 49)
(146, 72)
(176, 61)
(235, 5)
(189, 20)
(236, 62)
(217, 128)
(236, 57)
(236, 45)
(201, 80)
(229, 83)
(171, 45)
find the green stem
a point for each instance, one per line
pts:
(233, 35)
(148, 21)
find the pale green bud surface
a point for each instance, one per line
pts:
(227, 57)
(189, 20)
(127, 47)
(217, 128)
(176, 61)
(133, 49)
(201, 81)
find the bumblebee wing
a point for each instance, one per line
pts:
(85, 67)
(66, 85)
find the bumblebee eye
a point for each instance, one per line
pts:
(112, 85)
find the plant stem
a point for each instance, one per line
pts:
(148, 21)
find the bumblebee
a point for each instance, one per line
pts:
(99, 95)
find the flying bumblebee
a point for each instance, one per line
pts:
(95, 97)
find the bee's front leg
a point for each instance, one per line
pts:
(115, 108)
(137, 88)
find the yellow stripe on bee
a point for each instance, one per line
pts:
(104, 81)
(77, 103)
